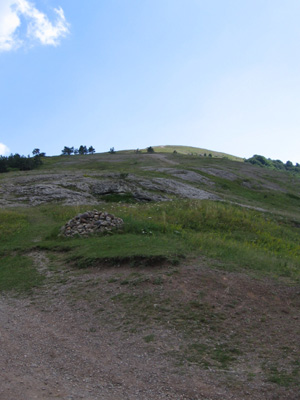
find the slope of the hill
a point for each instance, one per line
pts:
(150, 177)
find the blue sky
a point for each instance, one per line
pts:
(217, 74)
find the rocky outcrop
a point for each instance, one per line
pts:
(77, 188)
(151, 189)
(185, 175)
(91, 222)
(132, 186)
(177, 188)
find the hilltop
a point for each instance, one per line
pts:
(196, 296)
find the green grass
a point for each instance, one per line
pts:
(219, 355)
(233, 237)
(238, 237)
(282, 377)
(120, 248)
(119, 198)
(17, 273)
(11, 224)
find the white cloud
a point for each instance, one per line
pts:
(16, 14)
(4, 149)
(9, 22)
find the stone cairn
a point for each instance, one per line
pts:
(91, 222)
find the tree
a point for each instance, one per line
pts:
(3, 164)
(112, 150)
(278, 164)
(289, 165)
(76, 151)
(67, 151)
(21, 163)
(37, 153)
(150, 149)
(261, 161)
(91, 150)
(82, 150)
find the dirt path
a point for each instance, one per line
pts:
(56, 355)
(54, 345)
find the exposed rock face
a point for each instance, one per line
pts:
(180, 189)
(185, 175)
(131, 185)
(33, 189)
(155, 189)
(91, 222)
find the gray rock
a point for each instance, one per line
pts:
(180, 189)
(183, 174)
(76, 189)
(108, 222)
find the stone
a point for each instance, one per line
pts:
(89, 223)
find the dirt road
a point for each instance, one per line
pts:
(54, 345)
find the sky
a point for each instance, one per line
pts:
(223, 75)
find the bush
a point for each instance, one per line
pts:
(262, 161)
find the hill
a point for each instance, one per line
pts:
(203, 278)
(189, 150)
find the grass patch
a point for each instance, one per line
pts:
(127, 198)
(284, 378)
(219, 356)
(17, 273)
(224, 355)
(149, 338)
(235, 237)
(11, 223)
(118, 249)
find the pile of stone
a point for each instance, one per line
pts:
(91, 222)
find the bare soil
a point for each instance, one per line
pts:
(77, 337)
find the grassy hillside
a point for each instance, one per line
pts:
(276, 191)
(254, 226)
